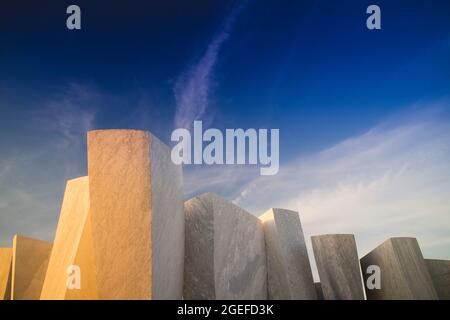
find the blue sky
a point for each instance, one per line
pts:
(310, 68)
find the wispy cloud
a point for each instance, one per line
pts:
(394, 180)
(52, 150)
(193, 88)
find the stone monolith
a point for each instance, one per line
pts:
(136, 211)
(5, 273)
(288, 269)
(29, 265)
(440, 274)
(71, 269)
(404, 273)
(338, 266)
(225, 251)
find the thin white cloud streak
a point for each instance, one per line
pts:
(193, 88)
(394, 180)
(32, 181)
(391, 181)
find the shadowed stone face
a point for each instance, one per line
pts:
(5, 273)
(225, 251)
(338, 266)
(404, 274)
(440, 274)
(30, 261)
(137, 216)
(288, 268)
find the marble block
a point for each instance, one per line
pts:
(404, 273)
(5, 273)
(318, 290)
(288, 269)
(136, 211)
(225, 251)
(29, 265)
(338, 266)
(72, 247)
(440, 274)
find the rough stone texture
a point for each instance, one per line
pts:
(137, 216)
(288, 269)
(72, 246)
(29, 265)
(338, 266)
(404, 274)
(5, 273)
(318, 291)
(225, 251)
(440, 274)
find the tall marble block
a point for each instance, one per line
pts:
(404, 273)
(440, 274)
(338, 266)
(29, 265)
(288, 269)
(72, 247)
(225, 251)
(136, 211)
(5, 273)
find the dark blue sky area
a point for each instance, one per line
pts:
(310, 68)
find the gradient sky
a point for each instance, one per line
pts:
(353, 106)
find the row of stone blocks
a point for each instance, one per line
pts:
(125, 226)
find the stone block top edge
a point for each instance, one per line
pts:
(118, 131)
(389, 241)
(333, 235)
(270, 213)
(18, 236)
(431, 259)
(77, 179)
(212, 196)
(149, 134)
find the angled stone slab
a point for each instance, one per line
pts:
(318, 290)
(404, 273)
(29, 265)
(338, 266)
(5, 273)
(136, 210)
(225, 251)
(72, 248)
(288, 270)
(440, 274)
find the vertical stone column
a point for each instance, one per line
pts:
(338, 266)
(72, 248)
(5, 273)
(404, 274)
(136, 211)
(225, 251)
(29, 265)
(440, 274)
(288, 268)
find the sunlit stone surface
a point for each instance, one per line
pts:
(29, 265)
(137, 216)
(440, 274)
(404, 273)
(338, 266)
(5, 273)
(72, 247)
(288, 268)
(225, 251)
